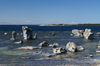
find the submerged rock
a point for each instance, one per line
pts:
(13, 35)
(88, 34)
(19, 42)
(24, 57)
(28, 48)
(59, 50)
(35, 36)
(80, 48)
(54, 45)
(71, 46)
(53, 34)
(43, 44)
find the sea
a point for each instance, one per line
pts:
(11, 56)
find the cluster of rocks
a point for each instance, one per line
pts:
(70, 46)
(87, 34)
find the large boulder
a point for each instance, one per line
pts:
(88, 34)
(77, 33)
(71, 46)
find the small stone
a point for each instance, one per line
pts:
(91, 56)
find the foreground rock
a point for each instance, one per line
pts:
(28, 48)
(71, 46)
(77, 33)
(43, 44)
(88, 34)
(27, 33)
(59, 50)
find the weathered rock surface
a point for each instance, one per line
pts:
(88, 34)
(59, 50)
(71, 46)
(27, 33)
(77, 33)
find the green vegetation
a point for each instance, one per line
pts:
(72, 25)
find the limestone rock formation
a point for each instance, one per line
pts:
(71, 46)
(77, 33)
(27, 33)
(88, 34)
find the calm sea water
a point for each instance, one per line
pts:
(10, 56)
(47, 28)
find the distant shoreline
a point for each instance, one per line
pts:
(71, 25)
(58, 25)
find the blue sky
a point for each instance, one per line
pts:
(49, 11)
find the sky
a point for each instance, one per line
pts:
(49, 11)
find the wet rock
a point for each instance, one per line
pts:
(98, 47)
(80, 48)
(54, 45)
(28, 48)
(77, 33)
(40, 52)
(71, 46)
(49, 55)
(19, 42)
(97, 60)
(24, 57)
(91, 56)
(27, 33)
(53, 34)
(35, 36)
(43, 44)
(98, 51)
(5, 33)
(88, 34)
(13, 35)
(59, 50)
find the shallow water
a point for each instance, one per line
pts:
(10, 56)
